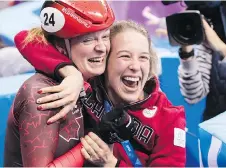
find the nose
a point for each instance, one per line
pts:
(100, 46)
(135, 65)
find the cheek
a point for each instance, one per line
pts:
(81, 54)
(79, 59)
(108, 46)
(119, 67)
(113, 71)
(146, 68)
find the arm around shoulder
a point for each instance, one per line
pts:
(43, 56)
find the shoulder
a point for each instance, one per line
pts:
(25, 100)
(167, 105)
(171, 114)
(32, 85)
(40, 80)
(167, 112)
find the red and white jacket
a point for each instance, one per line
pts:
(159, 139)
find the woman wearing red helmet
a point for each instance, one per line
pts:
(78, 29)
(159, 135)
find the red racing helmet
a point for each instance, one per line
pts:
(70, 18)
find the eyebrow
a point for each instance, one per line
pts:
(89, 34)
(145, 53)
(130, 52)
(122, 51)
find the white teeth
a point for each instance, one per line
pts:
(96, 59)
(133, 79)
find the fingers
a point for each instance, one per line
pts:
(85, 154)
(97, 144)
(111, 147)
(96, 155)
(98, 141)
(51, 89)
(60, 115)
(63, 98)
(89, 146)
(205, 24)
(52, 97)
(59, 95)
(52, 105)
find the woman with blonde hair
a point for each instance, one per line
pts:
(129, 87)
(66, 25)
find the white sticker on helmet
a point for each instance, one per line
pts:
(52, 20)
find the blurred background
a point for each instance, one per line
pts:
(23, 15)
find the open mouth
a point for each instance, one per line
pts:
(96, 60)
(131, 82)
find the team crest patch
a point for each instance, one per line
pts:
(149, 113)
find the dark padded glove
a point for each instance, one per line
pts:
(115, 126)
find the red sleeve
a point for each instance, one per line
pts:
(72, 158)
(38, 140)
(43, 57)
(122, 164)
(170, 145)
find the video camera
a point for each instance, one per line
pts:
(186, 28)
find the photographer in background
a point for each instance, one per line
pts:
(202, 72)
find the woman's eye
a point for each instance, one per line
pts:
(106, 37)
(125, 56)
(87, 40)
(145, 57)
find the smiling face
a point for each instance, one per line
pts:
(89, 53)
(128, 67)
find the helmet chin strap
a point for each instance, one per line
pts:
(68, 47)
(82, 94)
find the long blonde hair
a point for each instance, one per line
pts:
(123, 25)
(43, 38)
(35, 34)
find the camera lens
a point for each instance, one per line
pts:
(186, 29)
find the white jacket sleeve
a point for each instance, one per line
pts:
(194, 75)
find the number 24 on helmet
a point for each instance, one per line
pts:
(68, 19)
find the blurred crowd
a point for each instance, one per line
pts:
(9, 55)
(6, 4)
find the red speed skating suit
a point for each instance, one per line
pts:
(30, 142)
(159, 139)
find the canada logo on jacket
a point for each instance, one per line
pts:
(72, 128)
